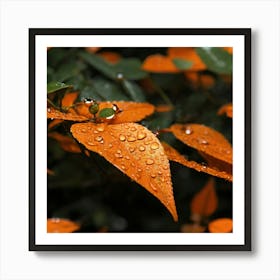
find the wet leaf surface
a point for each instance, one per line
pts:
(174, 155)
(135, 151)
(204, 139)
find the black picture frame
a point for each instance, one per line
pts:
(246, 33)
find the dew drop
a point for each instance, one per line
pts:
(159, 173)
(110, 145)
(131, 149)
(49, 109)
(188, 131)
(133, 129)
(119, 76)
(165, 167)
(132, 164)
(154, 146)
(127, 157)
(99, 138)
(117, 155)
(153, 175)
(95, 131)
(83, 130)
(142, 148)
(100, 128)
(122, 137)
(153, 187)
(123, 167)
(149, 161)
(91, 143)
(139, 170)
(203, 142)
(131, 138)
(141, 135)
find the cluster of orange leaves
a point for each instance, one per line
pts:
(137, 151)
(203, 205)
(159, 63)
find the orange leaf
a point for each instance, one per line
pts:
(54, 123)
(92, 49)
(222, 225)
(187, 54)
(160, 64)
(135, 151)
(228, 49)
(50, 172)
(196, 79)
(204, 139)
(164, 108)
(56, 225)
(193, 228)
(69, 98)
(111, 57)
(67, 144)
(226, 109)
(174, 155)
(129, 112)
(205, 202)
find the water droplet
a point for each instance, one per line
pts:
(120, 76)
(118, 155)
(203, 142)
(52, 119)
(110, 145)
(127, 157)
(91, 143)
(149, 161)
(96, 131)
(204, 165)
(165, 167)
(133, 164)
(133, 129)
(123, 167)
(122, 138)
(139, 170)
(100, 128)
(153, 175)
(159, 173)
(98, 138)
(141, 135)
(83, 130)
(153, 187)
(49, 109)
(142, 148)
(188, 131)
(131, 149)
(131, 138)
(154, 146)
(228, 152)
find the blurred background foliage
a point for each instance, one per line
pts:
(94, 193)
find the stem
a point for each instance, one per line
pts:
(49, 101)
(162, 94)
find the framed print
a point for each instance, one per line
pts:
(142, 140)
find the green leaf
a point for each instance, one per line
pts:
(57, 86)
(216, 59)
(108, 89)
(134, 91)
(99, 64)
(182, 64)
(130, 68)
(68, 70)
